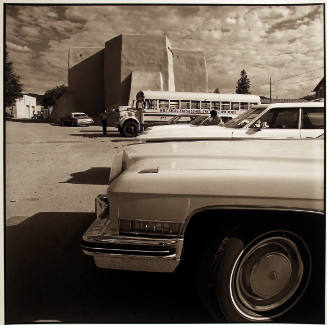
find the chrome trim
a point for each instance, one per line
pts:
(165, 257)
(152, 233)
(127, 251)
(124, 240)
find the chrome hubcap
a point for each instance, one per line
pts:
(268, 273)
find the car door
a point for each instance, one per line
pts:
(312, 122)
(280, 122)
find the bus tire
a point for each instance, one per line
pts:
(130, 128)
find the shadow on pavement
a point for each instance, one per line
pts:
(48, 278)
(28, 120)
(94, 176)
(112, 134)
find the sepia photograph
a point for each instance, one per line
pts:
(164, 162)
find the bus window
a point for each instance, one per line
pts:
(235, 106)
(215, 105)
(163, 104)
(225, 105)
(185, 104)
(252, 104)
(153, 104)
(173, 104)
(205, 105)
(244, 105)
(195, 104)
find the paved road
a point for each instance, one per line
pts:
(52, 176)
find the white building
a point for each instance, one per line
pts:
(25, 106)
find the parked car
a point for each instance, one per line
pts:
(179, 122)
(245, 216)
(281, 120)
(76, 119)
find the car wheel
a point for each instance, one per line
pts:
(256, 278)
(130, 128)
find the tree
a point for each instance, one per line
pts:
(216, 91)
(51, 95)
(243, 84)
(13, 86)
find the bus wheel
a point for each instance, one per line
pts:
(130, 128)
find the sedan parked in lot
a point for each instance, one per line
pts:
(180, 122)
(76, 119)
(281, 120)
(246, 217)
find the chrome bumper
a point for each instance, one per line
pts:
(133, 253)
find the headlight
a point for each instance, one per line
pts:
(149, 227)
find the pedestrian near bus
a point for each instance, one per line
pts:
(104, 117)
(214, 119)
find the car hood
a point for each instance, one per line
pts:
(231, 154)
(186, 131)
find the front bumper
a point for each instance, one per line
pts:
(133, 253)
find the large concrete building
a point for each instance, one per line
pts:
(102, 78)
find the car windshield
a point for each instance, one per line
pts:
(245, 118)
(80, 115)
(199, 119)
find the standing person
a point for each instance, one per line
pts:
(104, 117)
(214, 119)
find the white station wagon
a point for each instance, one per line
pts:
(246, 217)
(281, 120)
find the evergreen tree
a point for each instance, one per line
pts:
(13, 86)
(243, 84)
(216, 91)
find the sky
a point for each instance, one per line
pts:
(283, 42)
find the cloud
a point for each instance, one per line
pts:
(32, 32)
(276, 41)
(18, 48)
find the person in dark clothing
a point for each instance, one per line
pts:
(104, 117)
(214, 119)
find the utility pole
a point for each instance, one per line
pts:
(270, 89)
(68, 65)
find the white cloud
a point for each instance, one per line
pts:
(18, 48)
(263, 40)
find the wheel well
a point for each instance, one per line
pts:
(130, 120)
(222, 223)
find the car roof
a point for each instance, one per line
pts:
(78, 113)
(290, 105)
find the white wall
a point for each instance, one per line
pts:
(25, 107)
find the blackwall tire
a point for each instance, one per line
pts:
(129, 128)
(258, 278)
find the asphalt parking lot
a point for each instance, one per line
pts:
(53, 174)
